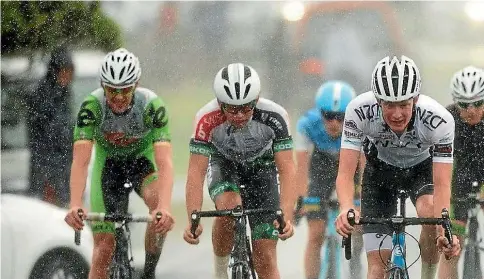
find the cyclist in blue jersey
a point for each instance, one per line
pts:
(318, 143)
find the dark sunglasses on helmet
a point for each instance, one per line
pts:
(476, 104)
(332, 115)
(234, 109)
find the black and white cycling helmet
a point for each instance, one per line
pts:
(395, 80)
(120, 68)
(467, 85)
(237, 84)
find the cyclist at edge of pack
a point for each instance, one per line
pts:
(467, 89)
(318, 142)
(128, 127)
(408, 139)
(242, 139)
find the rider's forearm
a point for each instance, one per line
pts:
(194, 192)
(345, 190)
(81, 155)
(78, 182)
(288, 194)
(164, 183)
(442, 177)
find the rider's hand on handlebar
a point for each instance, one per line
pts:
(449, 251)
(343, 227)
(73, 219)
(288, 230)
(165, 224)
(188, 236)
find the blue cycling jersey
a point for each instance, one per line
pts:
(310, 130)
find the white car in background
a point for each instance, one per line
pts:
(38, 244)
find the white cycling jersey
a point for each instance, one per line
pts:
(431, 131)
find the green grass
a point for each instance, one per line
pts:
(182, 106)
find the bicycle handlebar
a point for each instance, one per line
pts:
(109, 217)
(444, 221)
(236, 212)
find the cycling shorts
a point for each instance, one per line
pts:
(261, 190)
(113, 180)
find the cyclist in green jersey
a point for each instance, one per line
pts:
(128, 127)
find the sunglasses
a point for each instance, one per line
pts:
(476, 104)
(115, 91)
(232, 109)
(331, 115)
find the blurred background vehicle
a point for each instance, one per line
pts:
(20, 78)
(37, 243)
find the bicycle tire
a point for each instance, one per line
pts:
(398, 274)
(332, 263)
(120, 267)
(472, 259)
(472, 255)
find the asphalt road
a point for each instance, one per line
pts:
(181, 260)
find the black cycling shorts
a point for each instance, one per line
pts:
(381, 183)
(261, 190)
(322, 181)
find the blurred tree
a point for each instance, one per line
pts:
(42, 25)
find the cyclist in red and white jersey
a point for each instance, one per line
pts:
(242, 139)
(467, 89)
(408, 143)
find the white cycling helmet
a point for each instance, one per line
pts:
(120, 68)
(236, 84)
(467, 85)
(395, 80)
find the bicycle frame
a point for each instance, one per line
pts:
(398, 266)
(241, 255)
(398, 263)
(120, 267)
(472, 260)
(331, 261)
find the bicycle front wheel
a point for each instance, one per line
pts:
(120, 267)
(239, 272)
(398, 274)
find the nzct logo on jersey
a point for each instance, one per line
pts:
(368, 112)
(430, 120)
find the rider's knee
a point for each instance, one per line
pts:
(425, 206)
(228, 200)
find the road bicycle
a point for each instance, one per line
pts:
(397, 267)
(242, 266)
(331, 251)
(121, 265)
(474, 245)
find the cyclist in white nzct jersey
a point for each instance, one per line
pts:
(408, 143)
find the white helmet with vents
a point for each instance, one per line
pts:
(120, 68)
(237, 84)
(467, 85)
(395, 80)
